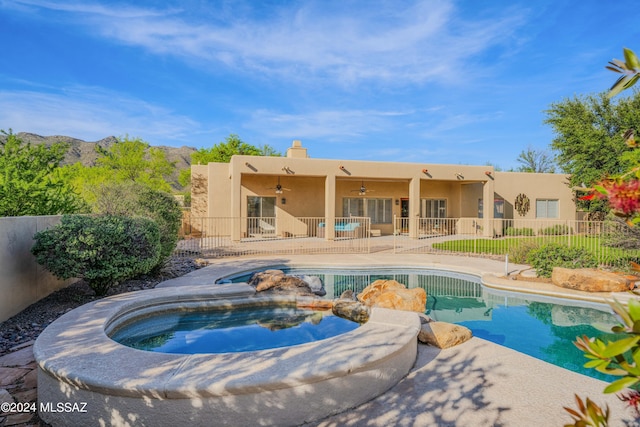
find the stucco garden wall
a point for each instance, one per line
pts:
(23, 281)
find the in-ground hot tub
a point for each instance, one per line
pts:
(118, 385)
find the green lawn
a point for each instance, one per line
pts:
(501, 246)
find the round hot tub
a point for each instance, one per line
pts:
(114, 384)
(247, 325)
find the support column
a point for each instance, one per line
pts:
(414, 207)
(236, 207)
(330, 207)
(487, 208)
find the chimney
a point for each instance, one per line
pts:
(297, 150)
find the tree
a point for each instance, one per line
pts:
(589, 135)
(222, 152)
(132, 160)
(590, 139)
(127, 161)
(29, 179)
(533, 160)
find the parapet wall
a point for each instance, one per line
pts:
(23, 281)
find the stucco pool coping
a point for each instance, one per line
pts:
(78, 362)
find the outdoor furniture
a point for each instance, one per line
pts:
(266, 228)
(348, 229)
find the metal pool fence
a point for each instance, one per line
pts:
(608, 241)
(215, 237)
(222, 237)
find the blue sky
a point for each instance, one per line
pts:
(458, 82)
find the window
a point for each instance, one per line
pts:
(498, 208)
(433, 208)
(379, 210)
(353, 207)
(259, 207)
(547, 208)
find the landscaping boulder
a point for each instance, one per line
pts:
(590, 280)
(393, 295)
(351, 310)
(443, 334)
(275, 281)
(314, 282)
(348, 294)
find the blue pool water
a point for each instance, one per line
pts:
(230, 331)
(541, 327)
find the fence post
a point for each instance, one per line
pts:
(568, 234)
(395, 232)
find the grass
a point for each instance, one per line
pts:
(501, 246)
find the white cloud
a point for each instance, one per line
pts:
(364, 41)
(91, 113)
(330, 125)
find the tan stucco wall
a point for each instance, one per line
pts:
(303, 196)
(199, 190)
(219, 189)
(310, 179)
(535, 186)
(23, 281)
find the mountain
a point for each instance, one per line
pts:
(85, 152)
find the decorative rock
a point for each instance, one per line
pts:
(276, 281)
(590, 280)
(264, 280)
(443, 334)
(348, 294)
(315, 283)
(394, 295)
(424, 318)
(351, 310)
(371, 292)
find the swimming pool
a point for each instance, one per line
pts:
(542, 327)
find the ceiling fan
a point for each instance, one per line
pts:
(279, 188)
(362, 190)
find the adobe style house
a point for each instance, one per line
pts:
(287, 190)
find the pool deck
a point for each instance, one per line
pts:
(477, 383)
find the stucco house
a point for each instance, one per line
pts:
(275, 191)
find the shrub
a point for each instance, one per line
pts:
(138, 200)
(519, 253)
(617, 234)
(103, 250)
(550, 255)
(525, 231)
(555, 230)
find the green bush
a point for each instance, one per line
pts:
(621, 261)
(133, 199)
(103, 250)
(550, 255)
(519, 253)
(555, 230)
(525, 231)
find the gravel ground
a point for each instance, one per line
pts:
(29, 323)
